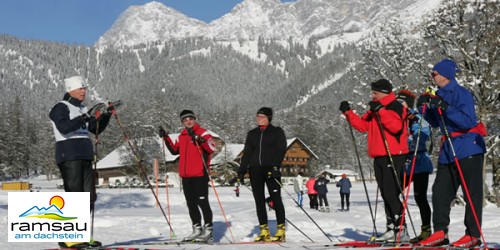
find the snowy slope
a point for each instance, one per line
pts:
(150, 22)
(252, 19)
(125, 216)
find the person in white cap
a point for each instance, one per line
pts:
(72, 123)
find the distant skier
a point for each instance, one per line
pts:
(322, 189)
(392, 133)
(313, 194)
(72, 124)
(194, 173)
(345, 191)
(263, 154)
(298, 187)
(237, 189)
(459, 118)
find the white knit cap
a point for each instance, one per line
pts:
(74, 82)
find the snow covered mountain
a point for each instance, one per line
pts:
(261, 18)
(150, 22)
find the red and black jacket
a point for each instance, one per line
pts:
(392, 116)
(190, 156)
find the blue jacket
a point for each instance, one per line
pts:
(345, 186)
(423, 163)
(460, 115)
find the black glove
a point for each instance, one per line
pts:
(375, 106)
(86, 117)
(423, 99)
(234, 180)
(344, 106)
(192, 134)
(275, 173)
(112, 107)
(301, 192)
(438, 102)
(195, 137)
(161, 132)
(199, 139)
(239, 178)
(109, 110)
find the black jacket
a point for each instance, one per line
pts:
(320, 185)
(74, 149)
(263, 148)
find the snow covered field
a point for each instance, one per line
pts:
(126, 216)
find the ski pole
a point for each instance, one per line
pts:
(362, 175)
(396, 178)
(376, 206)
(464, 185)
(141, 168)
(281, 185)
(97, 117)
(168, 201)
(215, 189)
(287, 220)
(405, 204)
(166, 188)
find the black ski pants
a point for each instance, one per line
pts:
(345, 196)
(322, 198)
(196, 194)
(420, 185)
(78, 176)
(313, 201)
(259, 176)
(389, 185)
(445, 189)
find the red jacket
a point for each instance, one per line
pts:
(190, 161)
(310, 186)
(391, 117)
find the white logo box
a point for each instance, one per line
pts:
(48, 217)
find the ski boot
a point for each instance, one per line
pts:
(424, 234)
(264, 234)
(467, 241)
(386, 236)
(327, 209)
(403, 237)
(322, 209)
(438, 238)
(74, 245)
(196, 232)
(207, 234)
(280, 233)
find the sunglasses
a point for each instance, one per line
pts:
(434, 74)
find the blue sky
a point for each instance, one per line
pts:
(84, 21)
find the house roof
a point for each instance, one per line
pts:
(122, 156)
(338, 172)
(228, 153)
(289, 142)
